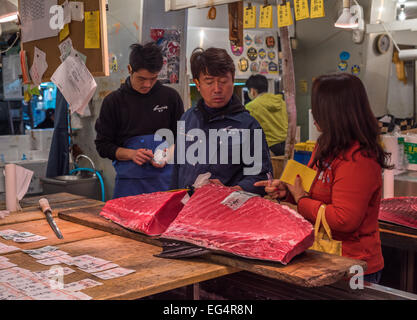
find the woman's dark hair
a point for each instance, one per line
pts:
(258, 82)
(213, 61)
(340, 107)
(148, 57)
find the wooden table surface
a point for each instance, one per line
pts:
(153, 275)
(31, 213)
(310, 269)
(71, 231)
(33, 201)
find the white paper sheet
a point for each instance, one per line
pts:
(23, 178)
(39, 66)
(67, 12)
(35, 18)
(75, 82)
(65, 48)
(77, 10)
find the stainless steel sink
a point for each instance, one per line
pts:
(73, 177)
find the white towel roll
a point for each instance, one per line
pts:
(11, 194)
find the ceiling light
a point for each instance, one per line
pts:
(8, 11)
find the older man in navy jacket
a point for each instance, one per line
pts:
(219, 135)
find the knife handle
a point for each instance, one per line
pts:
(44, 204)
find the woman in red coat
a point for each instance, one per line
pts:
(349, 160)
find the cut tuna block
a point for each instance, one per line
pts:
(400, 210)
(147, 213)
(240, 223)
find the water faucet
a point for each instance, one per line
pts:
(86, 157)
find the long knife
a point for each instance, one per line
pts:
(46, 209)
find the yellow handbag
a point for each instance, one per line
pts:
(323, 240)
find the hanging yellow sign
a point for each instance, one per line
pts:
(92, 30)
(317, 9)
(249, 17)
(284, 15)
(266, 17)
(301, 9)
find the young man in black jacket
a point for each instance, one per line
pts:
(128, 120)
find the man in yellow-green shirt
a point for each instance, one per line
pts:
(270, 111)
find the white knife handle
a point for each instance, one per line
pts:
(44, 205)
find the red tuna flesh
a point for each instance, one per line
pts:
(148, 213)
(258, 229)
(400, 210)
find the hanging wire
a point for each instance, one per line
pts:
(12, 45)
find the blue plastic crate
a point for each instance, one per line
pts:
(302, 157)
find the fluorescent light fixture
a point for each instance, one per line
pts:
(402, 15)
(8, 11)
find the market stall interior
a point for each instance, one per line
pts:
(71, 85)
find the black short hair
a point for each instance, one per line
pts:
(148, 56)
(213, 61)
(258, 82)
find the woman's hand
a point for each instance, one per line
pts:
(297, 189)
(276, 189)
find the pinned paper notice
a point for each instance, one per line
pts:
(64, 33)
(294, 168)
(266, 17)
(317, 9)
(75, 82)
(67, 12)
(77, 10)
(284, 15)
(249, 17)
(92, 30)
(301, 9)
(39, 66)
(65, 48)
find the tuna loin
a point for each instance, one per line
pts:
(400, 210)
(221, 219)
(147, 213)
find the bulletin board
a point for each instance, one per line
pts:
(97, 59)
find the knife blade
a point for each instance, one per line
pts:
(46, 209)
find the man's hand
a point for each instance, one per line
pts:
(141, 156)
(276, 189)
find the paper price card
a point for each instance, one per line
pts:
(249, 17)
(92, 29)
(284, 15)
(64, 32)
(265, 17)
(301, 9)
(317, 9)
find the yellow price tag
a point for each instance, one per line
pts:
(249, 17)
(266, 17)
(92, 29)
(64, 32)
(301, 9)
(284, 15)
(317, 9)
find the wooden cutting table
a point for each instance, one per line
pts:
(85, 232)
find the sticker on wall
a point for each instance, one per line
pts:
(248, 40)
(271, 55)
(236, 50)
(264, 67)
(259, 40)
(343, 65)
(252, 54)
(113, 63)
(356, 70)
(270, 41)
(262, 54)
(272, 67)
(243, 64)
(254, 67)
(344, 56)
